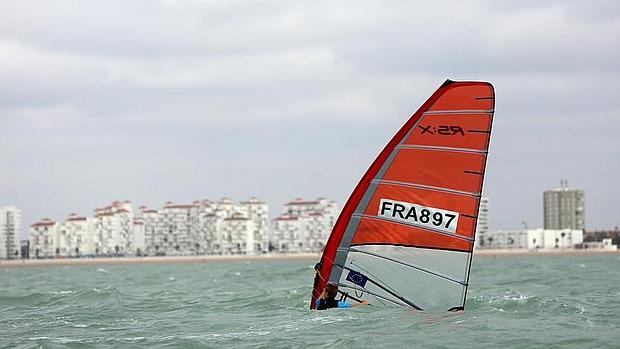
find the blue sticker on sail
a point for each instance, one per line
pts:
(357, 278)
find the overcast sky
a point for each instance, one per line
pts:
(180, 100)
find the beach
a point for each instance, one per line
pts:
(17, 263)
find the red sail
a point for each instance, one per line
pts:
(406, 234)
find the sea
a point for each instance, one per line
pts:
(533, 301)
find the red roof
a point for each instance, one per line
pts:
(301, 202)
(43, 223)
(183, 206)
(236, 219)
(75, 218)
(286, 218)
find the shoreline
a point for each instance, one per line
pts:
(18, 263)
(24, 263)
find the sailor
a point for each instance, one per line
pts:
(327, 299)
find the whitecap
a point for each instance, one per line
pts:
(62, 292)
(519, 298)
(133, 339)
(102, 270)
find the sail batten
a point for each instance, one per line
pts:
(440, 148)
(462, 112)
(410, 222)
(409, 265)
(421, 186)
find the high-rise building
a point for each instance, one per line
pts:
(304, 226)
(42, 239)
(174, 234)
(114, 229)
(10, 230)
(564, 208)
(75, 237)
(257, 212)
(482, 225)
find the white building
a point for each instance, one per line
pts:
(482, 225)
(10, 230)
(138, 239)
(288, 233)
(257, 211)
(42, 236)
(604, 245)
(532, 239)
(205, 224)
(174, 235)
(114, 229)
(75, 237)
(304, 226)
(236, 235)
(147, 225)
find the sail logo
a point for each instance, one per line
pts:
(418, 215)
(443, 130)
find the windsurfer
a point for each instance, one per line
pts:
(327, 299)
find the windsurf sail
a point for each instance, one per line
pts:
(406, 235)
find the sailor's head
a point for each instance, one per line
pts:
(331, 289)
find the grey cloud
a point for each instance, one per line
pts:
(183, 100)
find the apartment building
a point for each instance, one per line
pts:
(114, 229)
(10, 231)
(75, 237)
(42, 237)
(174, 235)
(304, 226)
(257, 211)
(564, 208)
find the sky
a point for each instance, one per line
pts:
(153, 101)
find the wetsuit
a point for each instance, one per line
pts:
(322, 304)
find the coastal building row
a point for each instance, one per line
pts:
(203, 227)
(531, 239)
